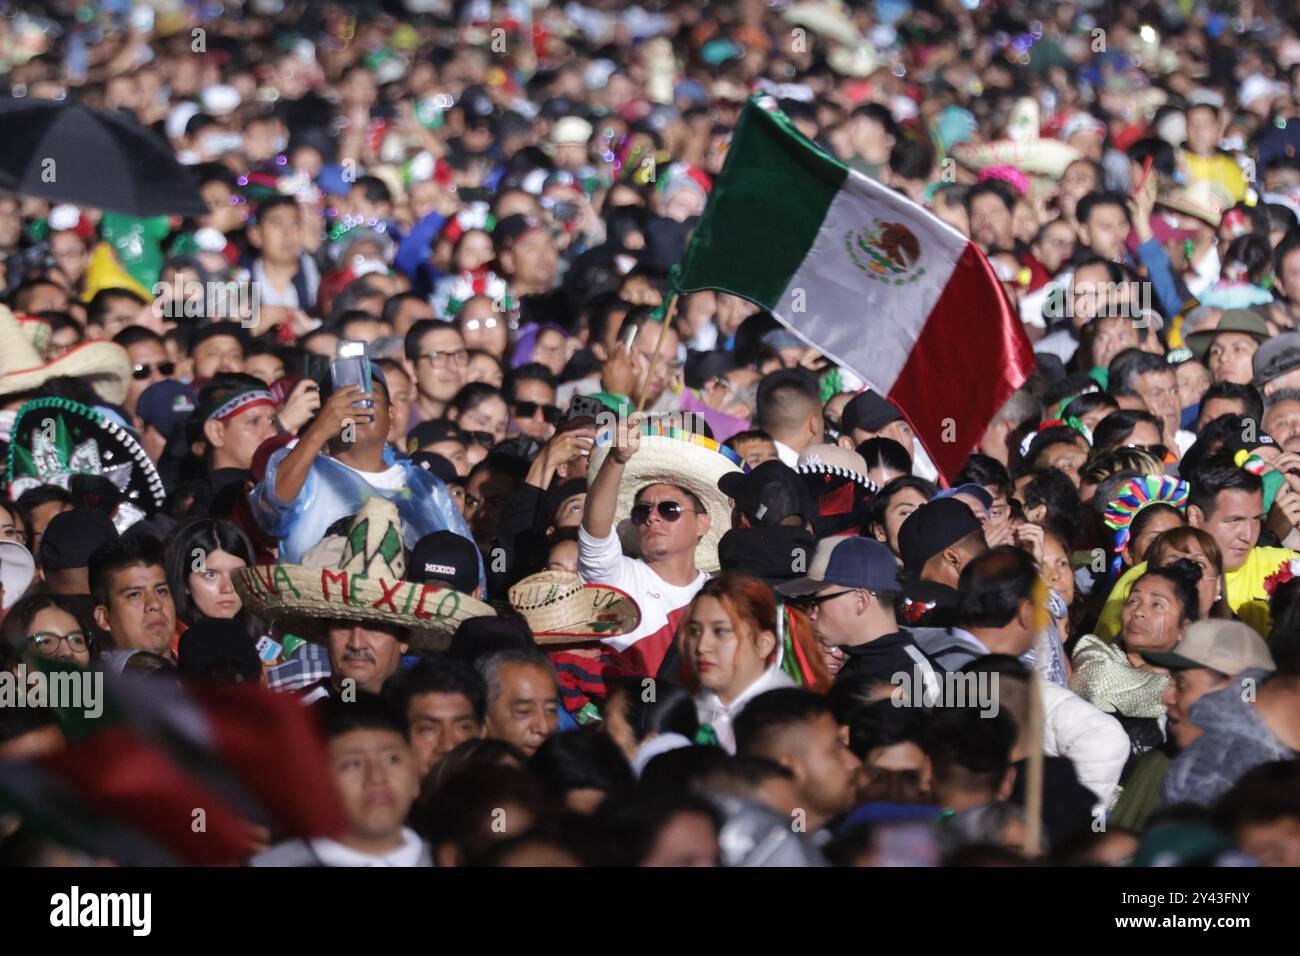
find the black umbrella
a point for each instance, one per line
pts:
(67, 152)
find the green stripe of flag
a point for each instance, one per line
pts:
(764, 211)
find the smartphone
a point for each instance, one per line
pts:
(352, 367)
(628, 337)
(584, 406)
(268, 650)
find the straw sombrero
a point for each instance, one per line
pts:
(560, 609)
(55, 439)
(105, 364)
(1023, 148)
(366, 586)
(687, 460)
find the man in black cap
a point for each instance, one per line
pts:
(771, 495)
(936, 542)
(69, 540)
(850, 594)
(871, 415)
(445, 557)
(443, 438)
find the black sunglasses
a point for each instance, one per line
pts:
(143, 371)
(550, 413)
(668, 510)
(815, 600)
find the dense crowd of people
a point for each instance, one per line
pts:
(590, 571)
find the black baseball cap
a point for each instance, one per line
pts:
(869, 411)
(438, 466)
(72, 535)
(427, 433)
(770, 554)
(445, 557)
(217, 648)
(769, 494)
(931, 528)
(702, 367)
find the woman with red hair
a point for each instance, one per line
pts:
(737, 642)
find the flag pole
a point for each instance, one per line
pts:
(659, 345)
(1034, 769)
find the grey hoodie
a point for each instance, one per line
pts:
(1235, 740)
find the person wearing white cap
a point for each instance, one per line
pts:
(569, 140)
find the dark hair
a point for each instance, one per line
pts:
(1164, 159)
(1290, 243)
(785, 397)
(18, 622)
(884, 724)
(33, 498)
(135, 550)
(393, 305)
(985, 470)
(1088, 402)
(416, 333)
(1056, 492)
(992, 187)
(1183, 575)
(367, 712)
(1130, 364)
(1252, 402)
(529, 372)
(206, 536)
(967, 750)
(1263, 794)
(1052, 435)
(767, 715)
(880, 502)
(1149, 513)
(633, 825)
(1115, 429)
(135, 334)
(1096, 200)
(437, 673)
(671, 709)
(460, 810)
(101, 302)
(1251, 251)
(752, 434)
(473, 395)
(881, 452)
(993, 586)
(1217, 475)
(911, 158)
(583, 759)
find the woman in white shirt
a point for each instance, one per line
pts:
(735, 648)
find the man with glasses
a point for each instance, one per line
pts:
(850, 593)
(1155, 380)
(438, 355)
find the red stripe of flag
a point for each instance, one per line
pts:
(970, 356)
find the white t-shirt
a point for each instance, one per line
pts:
(601, 561)
(391, 478)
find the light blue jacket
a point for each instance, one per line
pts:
(333, 491)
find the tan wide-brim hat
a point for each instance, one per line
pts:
(306, 599)
(105, 364)
(684, 459)
(1203, 200)
(365, 585)
(560, 609)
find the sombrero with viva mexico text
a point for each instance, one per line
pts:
(560, 609)
(367, 586)
(672, 456)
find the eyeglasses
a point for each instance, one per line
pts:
(47, 642)
(473, 325)
(145, 369)
(550, 413)
(440, 359)
(668, 510)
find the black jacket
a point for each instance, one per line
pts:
(886, 657)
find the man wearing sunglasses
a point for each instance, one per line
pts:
(533, 411)
(850, 593)
(669, 523)
(149, 362)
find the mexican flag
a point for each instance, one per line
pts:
(869, 278)
(171, 775)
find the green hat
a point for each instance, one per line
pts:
(1233, 320)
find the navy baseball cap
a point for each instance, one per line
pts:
(931, 528)
(769, 494)
(869, 411)
(851, 562)
(978, 492)
(166, 405)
